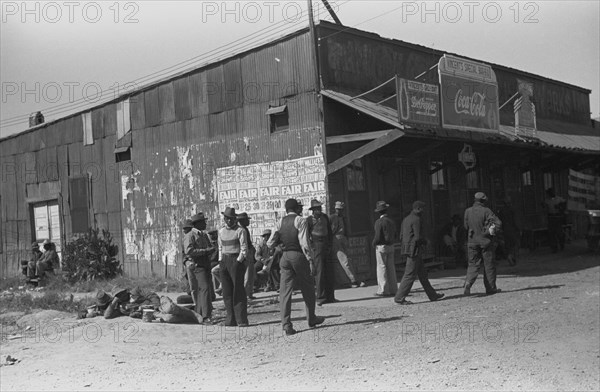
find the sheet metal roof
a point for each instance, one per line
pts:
(506, 135)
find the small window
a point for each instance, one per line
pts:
(438, 182)
(526, 178)
(278, 118)
(548, 183)
(122, 154)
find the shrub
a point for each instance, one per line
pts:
(91, 257)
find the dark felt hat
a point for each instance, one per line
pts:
(266, 232)
(118, 291)
(35, 245)
(229, 212)
(381, 206)
(314, 203)
(213, 231)
(187, 224)
(291, 204)
(243, 215)
(198, 217)
(102, 298)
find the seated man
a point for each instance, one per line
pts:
(454, 239)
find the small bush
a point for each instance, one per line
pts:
(91, 257)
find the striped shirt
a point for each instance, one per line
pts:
(232, 241)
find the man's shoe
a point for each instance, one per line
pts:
(354, 285)
(467, 290)
(403, 302)
(289, 331)
(243, 325)
(381, 295)
(363, 284)
(493, 292)
(207, 321)
(251, 297)
(320, 303)
(438, 296)
(318, 320)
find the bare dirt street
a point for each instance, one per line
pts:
(540, 333)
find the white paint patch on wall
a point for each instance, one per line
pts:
(185, 165)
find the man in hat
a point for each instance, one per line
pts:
(102, 301)
(118, 305)
(320, 243)
(413, 244)
(250, 275)
(383, 242)
(49, 260)
(232, 254)
(481, 225)
(197, 248)
(296, 264)
(36, 255)
(267, 262)
(555, 207)
(340, 244)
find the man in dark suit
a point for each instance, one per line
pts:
(413, 244)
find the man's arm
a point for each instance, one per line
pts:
(377, 237)
(302, 226)
(191, 247)
(220, 246)
(243, 244)
(274, 238)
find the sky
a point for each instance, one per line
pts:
(64, 56)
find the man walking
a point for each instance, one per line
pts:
(481, 225)
(232, 254)
(197, 249)
(555, 208)
(340, 244)
(250, 275)
(320, 243)
(296, 265)
(383, 242)
(413, 244)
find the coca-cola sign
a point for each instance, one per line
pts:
(417, 102)
(469, 95)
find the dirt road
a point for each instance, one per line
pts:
(540, 333)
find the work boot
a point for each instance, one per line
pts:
(467, 290)
(316, 321)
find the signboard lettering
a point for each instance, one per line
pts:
(469, 95)
(417, 102)
(525, 120)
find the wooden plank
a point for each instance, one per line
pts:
(166, 102)
(138, 111)
(214, 89)
(114, 226)
(198, 94)
(41, 162)
(20, 189)
(74, 159)
(151, 107)
(109, 113)
(182, 87)
(364, 150)
(111, 177)
(98, 177)
(98, 123)
(356, 137)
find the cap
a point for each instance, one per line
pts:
(480, 196)
(339, 205)
(418, 204)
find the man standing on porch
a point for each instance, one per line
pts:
(413, 243)
(383, 242)
(340, 243)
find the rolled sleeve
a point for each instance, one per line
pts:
(243, 245)
(302, 226)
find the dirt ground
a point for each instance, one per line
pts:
(540, 333)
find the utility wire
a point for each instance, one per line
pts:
(181, 67)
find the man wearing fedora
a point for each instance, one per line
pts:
(481, 225)
(250, 275)
(340, 244)
(232, 254)
(197, 249)
(296, 265)
(383, 242)
(320, 243)
(413, 245)
(118, 305)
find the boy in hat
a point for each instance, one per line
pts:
(232, 254)
(413, 244)
(250, 275)
(197, 249)
(340, 244)
(320, 243)
(383, 242)
(481, 223)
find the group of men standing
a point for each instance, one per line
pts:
(481, 225)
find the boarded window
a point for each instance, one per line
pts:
(78, 188)
(88, 135)
(278, 118)
(438, 180)
(526, 178)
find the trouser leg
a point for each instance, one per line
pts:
(474, 256)
(341, 255)
(424, 279)
(307, 287)
(318, 249)
(330, 278)
(286, 290)
(489, 269)
(227, 285)
(192, 282)
(381, 273)
(410, 274)
(249, 276)
(204, 302)
(216, 275)
(240, 300)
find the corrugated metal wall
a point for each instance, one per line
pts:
(182, 131)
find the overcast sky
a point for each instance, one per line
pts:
(55, 53)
